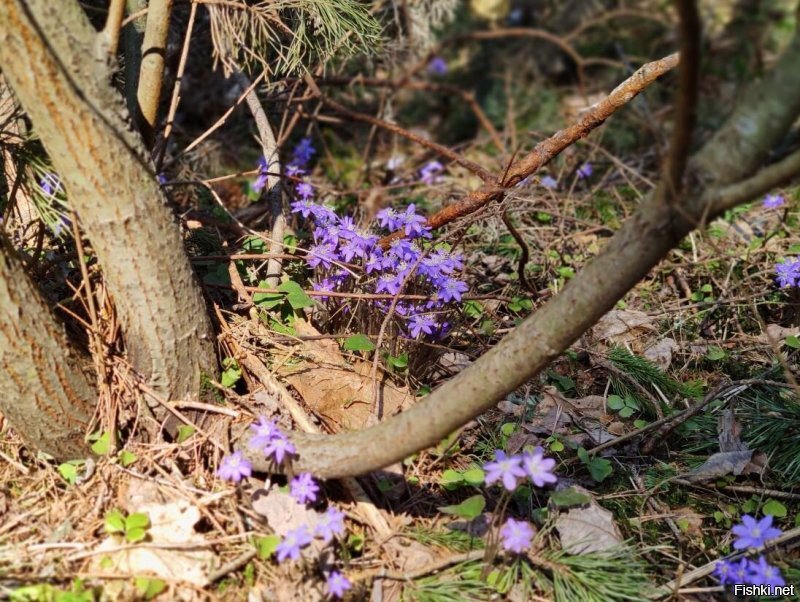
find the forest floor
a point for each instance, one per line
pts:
(673, 417)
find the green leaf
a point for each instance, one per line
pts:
(135, 535)
(358, 342)
(69, 471)
(184, 432)
(126, 458)
(267, 300)
(583, 455)
(749, 506)
(640, 424)
(566, 272)
(715, 354)
(797, 520)
(569, 498)
(615, 402)
(114, 522)
(232, 373)
(384, 485)
(469, 509)
(556, 446)
(474, 476)
(137, 520)
(254, 244)
(266, 546)
(793, 342)
(508, 429)
(626, 412)
(774, 508)
(398, 363)
(451, 479)
(102, 445)
(473, 309)
(149, 588)
(295, 295)
(600, 469)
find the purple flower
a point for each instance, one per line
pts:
(279, 448)
(550, 182)
(324, 215)
(323, 254)
(421, 323)
(414, 224)
(330, 525)
(374, 261)
(788, 272)
(294, 170)
(437, 66)
(508, 469)
(739, 571)
(162, 178)
(388, 283)
(585, 170)
(752, 533)
(517, 535)
(62, 223)
(337, 584)
(763, 573)
(452, 289)
(773, 201)
(303, 488)
(50, 184)
(234, 467)
(264, 431)
(538, 468)
(388, 218)
(304, 208)
(723, 571)
(429, 174)
(292, 543)
(304, 190)
(303, 152)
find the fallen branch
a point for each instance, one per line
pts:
(547, 149)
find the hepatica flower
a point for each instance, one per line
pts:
(305, 191)
(549, 182)
(421, 323)
(752, 533)
(516, 535)
(279, 448)
(585, 170)
(760, 572)
(295, 540)
(724, 571)
(303, 488)
(330, 525)
(50, 184)
(437, 66)
(264, 431)
(337, 584)
(429, 174)
(773, 201)
(507, 469)
(234, 467)
(538, 468)
(788, 272)
(303, 152)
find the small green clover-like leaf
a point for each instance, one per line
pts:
(749, 506)
(599, 468)
(114, 522)
(474, 476)
(103, 444)
(358, 342)
(451, 479)
(569, 498)
(473, 309)
(556, 446)
(232, 372)
(295, 295)
(137, 520)
(774, 508)
(715, 354)
(793, 342)
(398, 363)
(615, 402)
(135, 535)
(266, 546)
(126, 458)
(69, 471)
(626, 412)
(184, 432)
(267, 300)
(469, 509)
(640, 424)
(508, 428)
(149, 588)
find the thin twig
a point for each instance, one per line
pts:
(151, 73)
(109, 36)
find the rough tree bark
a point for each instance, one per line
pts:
(44, 393)
(49, 56)
(644, 239)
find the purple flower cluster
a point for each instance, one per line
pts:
(339, 240)
(516, 536)
(773, 201)
(331, 525)
(751, 533)
(788, 272)
(268, 439)
(511, 469)
(429, 174)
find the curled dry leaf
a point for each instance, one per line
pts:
(661, 352)
(590, 528)
(622, 326)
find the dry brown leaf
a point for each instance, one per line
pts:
(661, 353)
(340, 392)
(689, 520)
(622, 326)
(588, 529)
(775, 333)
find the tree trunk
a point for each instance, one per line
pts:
(49, 54)
(44, 393)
